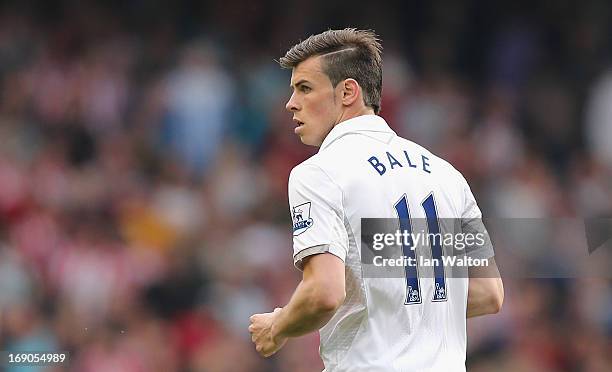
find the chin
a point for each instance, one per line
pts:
(310, 141)
(305, 140)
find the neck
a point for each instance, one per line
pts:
(353, 113)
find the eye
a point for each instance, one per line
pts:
(305, 89)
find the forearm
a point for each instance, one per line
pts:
(478, 301)
(485, 296)
(304, 313)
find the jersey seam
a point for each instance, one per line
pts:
(362, 283)
(364, 322)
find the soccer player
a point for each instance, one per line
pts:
(364, 170)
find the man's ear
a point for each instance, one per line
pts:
(351, 91)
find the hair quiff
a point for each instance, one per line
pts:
(347, 53)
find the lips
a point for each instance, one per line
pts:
(299, 124)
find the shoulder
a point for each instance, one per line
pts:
(452, 177)
(312, 178)
(449, 172)
(314, 166)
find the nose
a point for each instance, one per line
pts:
(291, 104)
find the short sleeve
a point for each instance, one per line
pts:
(471, 223)
(315, 204)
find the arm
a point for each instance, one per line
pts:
(316, 298)
(314, 302)
(486, 290)
(316, 198)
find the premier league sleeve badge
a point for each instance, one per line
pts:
(301, 218)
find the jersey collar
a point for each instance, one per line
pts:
(369, 125)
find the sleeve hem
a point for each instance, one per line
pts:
(317, 249)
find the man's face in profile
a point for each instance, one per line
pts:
(313, 103)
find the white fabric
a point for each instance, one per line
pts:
(329, 194)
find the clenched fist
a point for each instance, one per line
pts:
(265, 342)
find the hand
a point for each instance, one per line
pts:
(265, 342)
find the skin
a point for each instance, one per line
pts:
(314, 302)
(320, 106)
(485, 291)
(317, 106)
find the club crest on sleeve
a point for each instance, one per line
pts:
(301, 218)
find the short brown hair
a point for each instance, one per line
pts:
(348, 53)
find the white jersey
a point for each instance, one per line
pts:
(364, 170)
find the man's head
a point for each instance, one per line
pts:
(336, 75)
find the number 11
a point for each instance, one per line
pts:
(413, 290)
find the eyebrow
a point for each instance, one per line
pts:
(300, 82)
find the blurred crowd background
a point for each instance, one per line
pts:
(145, 150)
